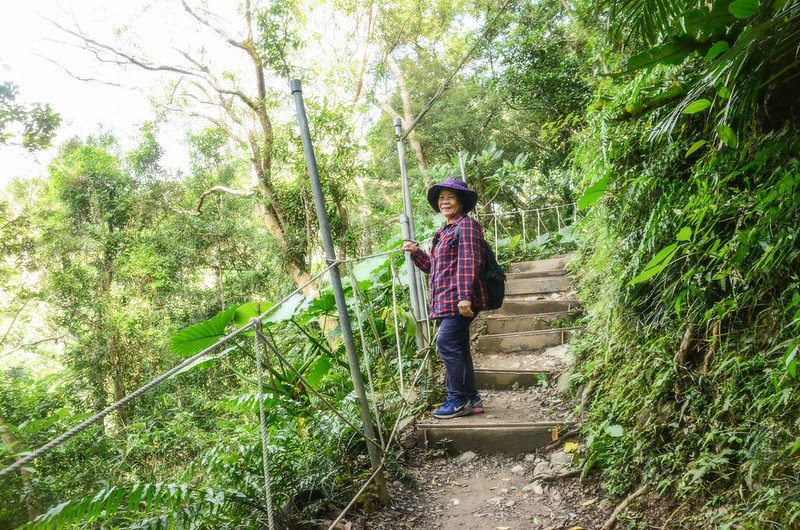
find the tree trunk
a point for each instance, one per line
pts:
(408, 114)
(112, 352)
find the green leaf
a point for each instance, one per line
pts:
(200, 336)
(670, 53)
(593, 193)
(245, 313)
(615, 431)
(368, 267)
(795, 446)
(204, 362)
(411, 323)
(697, 106)
(717, 49)
(791, 361)
(656, 265)
(695, 146)
(727, 135)
(318, 370)
(288, 309)
(743, 8)
(685, 234)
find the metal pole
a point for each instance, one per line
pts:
(495, 234)
(538, 227)
(419, 316)
(338, 292)
(462, 160)
(418, 307)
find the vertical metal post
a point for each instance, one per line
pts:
(524, 236)
(338, 292)
(462, 161)
(558, 218)
(538, 227)
(496, 247)
(418, 298)
(419, 315)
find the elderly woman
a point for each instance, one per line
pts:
(457, 293)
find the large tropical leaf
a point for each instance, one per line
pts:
(200, 336)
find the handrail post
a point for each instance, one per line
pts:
(338, 292)
(419, 316)
(418, 306)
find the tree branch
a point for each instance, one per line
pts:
(216, 189)
(129, 59)
(84, 79)
(230, 40)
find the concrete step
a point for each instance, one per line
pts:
(497, 379)
(523, 342)
(514, 422)
(504, 371)
(552, 264)
(534, 307)
(497, 324)
(534, 274)
(551, 284)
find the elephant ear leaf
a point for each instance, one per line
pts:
(200, 336)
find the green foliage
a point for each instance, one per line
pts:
(38, 123)
(686, 264)
(200, 336)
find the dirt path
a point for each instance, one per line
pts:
(496, 492)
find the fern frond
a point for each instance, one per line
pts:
(148, 505)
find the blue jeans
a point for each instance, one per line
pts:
(453, 346)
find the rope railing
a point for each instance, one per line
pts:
(55, 442)
(267, 353)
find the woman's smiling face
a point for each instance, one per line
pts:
(449, 203)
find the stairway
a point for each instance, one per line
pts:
(519, 354)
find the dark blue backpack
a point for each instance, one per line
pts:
(492, 274)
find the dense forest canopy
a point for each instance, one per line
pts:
(672, 125)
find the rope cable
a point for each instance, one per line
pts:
(444, 86)
(379, 343)
(263, 425)
(365, 351)
(313, 390)
(55, 442)
(397, 330)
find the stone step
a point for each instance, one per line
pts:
(496, 324)
(549, 360)
(504, 371)
(524, 342)
(552, 264)
(534, 307)
(534, 274)
(497, 379)
(514, 422)
(551, 284)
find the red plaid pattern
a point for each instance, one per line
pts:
(453, 267)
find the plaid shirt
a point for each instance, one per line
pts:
(454, 267)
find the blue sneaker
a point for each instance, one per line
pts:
(453, 408)
(476, 402)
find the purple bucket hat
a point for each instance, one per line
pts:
(467, 197)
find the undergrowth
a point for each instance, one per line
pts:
(688, 268)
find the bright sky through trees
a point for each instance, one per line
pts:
(29, 45)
